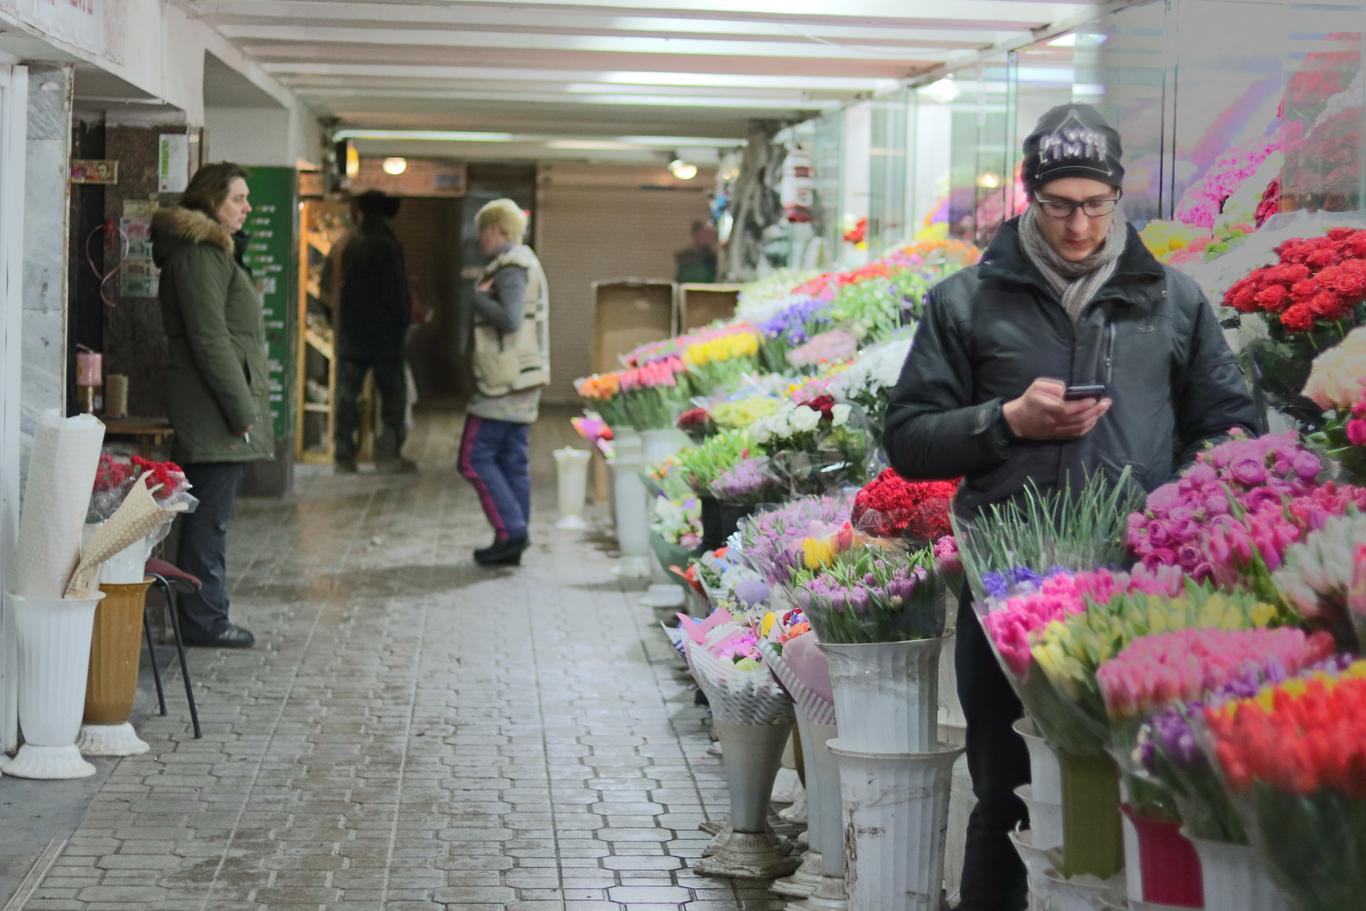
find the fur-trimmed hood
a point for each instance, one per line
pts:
(177, 226)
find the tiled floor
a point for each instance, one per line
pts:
(413, 731)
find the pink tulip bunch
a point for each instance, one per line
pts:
(653, 375)
(1184, 665)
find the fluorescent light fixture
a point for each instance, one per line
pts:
(989, 180)
(1068, 40)
(425, 135)
(943, 91)
(680, 142)
(1072, 39)
(682, 170)
(394, 166)
(591, 145)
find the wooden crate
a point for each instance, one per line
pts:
(701, 305)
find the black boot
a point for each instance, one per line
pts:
(502, 553)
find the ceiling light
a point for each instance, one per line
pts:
(352, 161)
(989, 180)
(425, 135)
(682, 170)
(394, 166)
(943, 91)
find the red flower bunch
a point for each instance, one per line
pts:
(825, 286)
(1319, 279)
(1356, 425)
(890, 506)
(1270, 202)
(1300, 737)
(693, 417)
(112, 474)
(169, 475)
(825, 404)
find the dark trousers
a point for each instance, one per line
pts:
(203, 544)
(393, 392)
(993, 875)
(493, 457)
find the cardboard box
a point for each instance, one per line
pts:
(628, 313)
(701, 305)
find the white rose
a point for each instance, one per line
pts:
(804, 419)
(839, 415)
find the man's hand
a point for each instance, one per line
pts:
(485, 286)
(1042, 413)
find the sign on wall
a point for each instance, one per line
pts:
(270, 256)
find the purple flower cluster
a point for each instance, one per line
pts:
(1000, 584)
(771, 542)
(795, 324)
(747, 481)
(1251, 474)
(876, 589)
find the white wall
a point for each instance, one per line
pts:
(261, 136)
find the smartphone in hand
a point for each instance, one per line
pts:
(1077, 393)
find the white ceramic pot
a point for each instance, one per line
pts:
(1045, 774)
(1235, 880)
(897, 813)
(571, 471)
(886, 695)
(629, 505)
(1080, 893)
(751, 754)
(54, 657)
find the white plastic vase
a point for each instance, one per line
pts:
(825, 814)
(1045, 774)
(1037, 863)
(571, 472)
(1045, 819)
(1234, 879)
(1133, 856)
(1080, 893)
(658, 445)
(127, 567)
(53, 635)
(896, 807)
(886, 694)
(748, 849)
(808, 876)
(629, 503)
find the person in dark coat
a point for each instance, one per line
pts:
(374, 310)
(217, 383)
(1065, 296)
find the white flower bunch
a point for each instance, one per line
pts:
(1317, 572)
(877, 368)
(677, 521)
(792, 419)
(1336, 377)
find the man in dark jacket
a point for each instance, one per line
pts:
(1066, 297)
(374, 311)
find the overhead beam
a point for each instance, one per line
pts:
(772, 104)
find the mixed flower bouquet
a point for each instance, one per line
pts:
(792, 327)
(771, 540)
(744, 412)
(595, 430)
(696, 423)
(678, 522)
(815, 446)
(1293, 758)
(871, 310)
(702, 465)
(858, 589)
(1318, 573)
(655, 393)
(748, 482)
(1341, 384)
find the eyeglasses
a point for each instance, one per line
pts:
(1063, 208)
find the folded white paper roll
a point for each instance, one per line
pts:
(61, 475)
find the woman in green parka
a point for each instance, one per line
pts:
(217, 391)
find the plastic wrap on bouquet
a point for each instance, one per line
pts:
(817, 706)
(738, 696)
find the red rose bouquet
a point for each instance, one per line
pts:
(890, 506)
(1309, 299)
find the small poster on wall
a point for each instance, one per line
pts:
(138, 275)
(173, 163)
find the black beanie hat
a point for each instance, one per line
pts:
(1072, 140)
(376, 202)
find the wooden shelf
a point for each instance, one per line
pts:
(320, 243)
(317, 407)
(314, 289)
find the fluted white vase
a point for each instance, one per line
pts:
(571, 475)
(53, 636)
(1234, 878)
(825, 814)
(629, 505)
(896, 807)
(748, 849)
(886, 695)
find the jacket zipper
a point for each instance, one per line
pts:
(1109, 352)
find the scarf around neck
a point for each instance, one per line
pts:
(1077, 283)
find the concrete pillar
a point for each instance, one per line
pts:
(46, 210)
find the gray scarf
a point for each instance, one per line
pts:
(1076, 284)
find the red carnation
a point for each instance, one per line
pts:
(890, 506)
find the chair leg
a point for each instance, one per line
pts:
(185, 669)
(152, 656)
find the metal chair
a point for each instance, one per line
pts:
(166, 576)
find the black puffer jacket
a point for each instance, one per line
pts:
(375, 308)
(989, 331)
